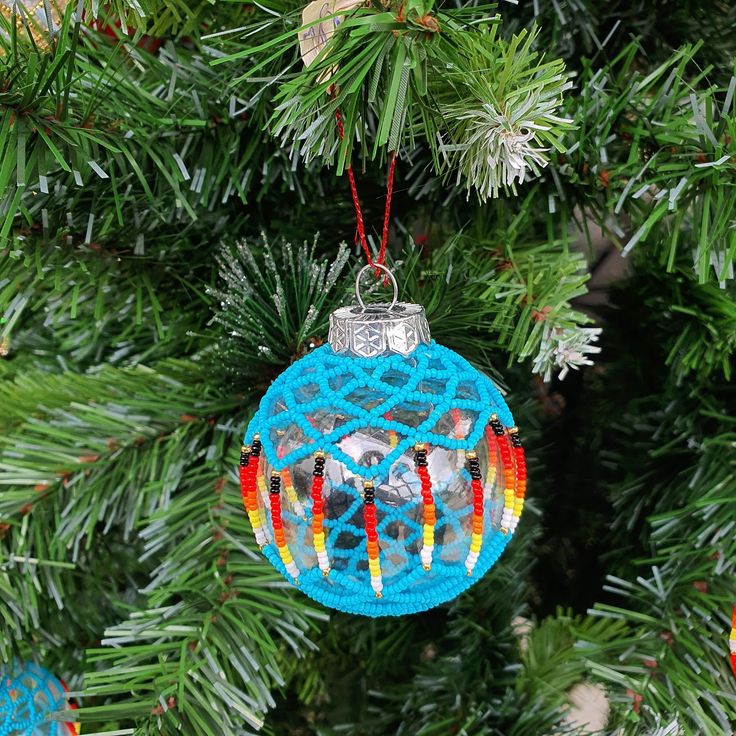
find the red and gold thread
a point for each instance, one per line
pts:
(429, 511)
(318, 513)
(457, 427)
(370, 522)
(393, 438)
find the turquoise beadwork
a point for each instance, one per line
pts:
(367, 415)
(28, 695)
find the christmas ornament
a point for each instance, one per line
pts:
(29, 694)
(382, 473)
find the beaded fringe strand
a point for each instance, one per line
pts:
(371, 533)
(428, 510)
(476, 536)
(274, 498)
(249, 461)
(318, 516)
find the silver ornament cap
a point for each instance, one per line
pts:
(372, 330)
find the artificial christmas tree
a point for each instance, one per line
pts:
(172, 219)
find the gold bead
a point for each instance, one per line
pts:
(504, 530)
(326, 572)
(471, 454)
(514, 430)
(427, 567)
(379, 594)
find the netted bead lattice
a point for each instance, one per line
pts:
(28, 696)
(401, 478)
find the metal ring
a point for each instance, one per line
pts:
(388, 273)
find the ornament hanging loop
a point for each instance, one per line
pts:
(389, 275)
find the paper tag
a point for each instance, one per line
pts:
(313, 39)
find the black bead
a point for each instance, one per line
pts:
(515, 439)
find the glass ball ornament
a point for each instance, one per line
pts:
(29, 694)
(382, 473)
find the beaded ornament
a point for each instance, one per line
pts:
(382, 473)
(28, 695)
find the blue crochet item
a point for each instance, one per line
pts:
(367, 415)
(28, 695)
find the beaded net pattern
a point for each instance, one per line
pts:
(28, 695)
(366, 417)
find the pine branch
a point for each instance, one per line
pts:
(408, 75)
(481, 295)
(657, 148)
(208, 646)
(99, 135)
(274, 306)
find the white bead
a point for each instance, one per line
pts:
(377, 584)
(472, 558)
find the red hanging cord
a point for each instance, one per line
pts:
(387, 210)
(360, 226)
(360, 229)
